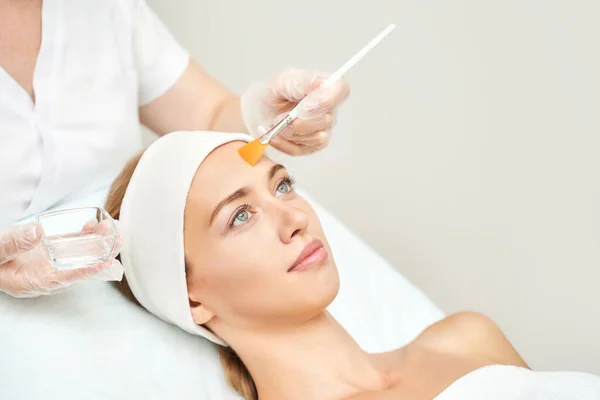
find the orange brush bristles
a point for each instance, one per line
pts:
(252, 151)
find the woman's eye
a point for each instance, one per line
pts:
(283, 188)
(241, 217)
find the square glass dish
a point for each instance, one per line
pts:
(78, 237)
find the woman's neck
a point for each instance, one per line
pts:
(317, 360)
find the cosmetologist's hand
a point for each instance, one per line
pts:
(25, 270)
(265, 104)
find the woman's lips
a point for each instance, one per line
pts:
(313, 254)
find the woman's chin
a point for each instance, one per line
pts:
(325, 287)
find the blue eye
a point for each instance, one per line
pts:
(240, 217)
(285, 186)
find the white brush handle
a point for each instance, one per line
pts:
(350, 63)
(358, 56)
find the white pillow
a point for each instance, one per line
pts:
(91, 343)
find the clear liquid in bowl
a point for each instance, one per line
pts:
(77, 250)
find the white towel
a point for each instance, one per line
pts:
(503, 382)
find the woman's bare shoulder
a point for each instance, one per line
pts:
(471, 334)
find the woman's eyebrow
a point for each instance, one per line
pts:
(238, 194)
(274, 169)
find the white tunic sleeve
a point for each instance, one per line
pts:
(159, 58)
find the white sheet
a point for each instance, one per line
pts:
(506, 382)
(90, 343)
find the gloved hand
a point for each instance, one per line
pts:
(25, 270)
(264, 105)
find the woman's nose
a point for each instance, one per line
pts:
(294, 221)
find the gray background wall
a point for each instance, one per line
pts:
(466, 154)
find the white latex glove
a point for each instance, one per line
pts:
(265, 104)
(25, 270)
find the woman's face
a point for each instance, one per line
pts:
(246, 231)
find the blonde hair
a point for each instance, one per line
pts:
(236, 372)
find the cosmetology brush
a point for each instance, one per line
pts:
(252, 151)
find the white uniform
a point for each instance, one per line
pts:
(99, 61)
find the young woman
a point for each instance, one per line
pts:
(232, 253)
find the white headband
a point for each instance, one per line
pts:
(151, 221)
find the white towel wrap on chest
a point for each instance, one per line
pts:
(503, 382)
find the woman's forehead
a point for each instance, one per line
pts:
(224, 171)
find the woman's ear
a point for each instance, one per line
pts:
(200, 314)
